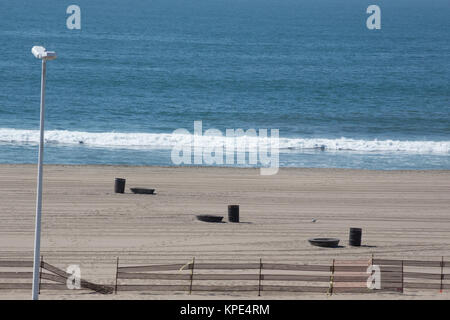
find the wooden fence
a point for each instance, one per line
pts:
(50, 277)
(419, 274)
(340, 276)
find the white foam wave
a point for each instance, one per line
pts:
(168, 140)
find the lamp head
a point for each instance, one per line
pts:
(41, 53)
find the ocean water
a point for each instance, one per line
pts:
(339, 94)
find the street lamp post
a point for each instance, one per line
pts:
(44, 55)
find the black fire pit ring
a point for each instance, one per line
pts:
(142, 190)
(324, 242)
(209, 218)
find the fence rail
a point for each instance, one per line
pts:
(411, 263)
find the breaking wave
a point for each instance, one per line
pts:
(168, 140)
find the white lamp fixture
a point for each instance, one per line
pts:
(40, 53)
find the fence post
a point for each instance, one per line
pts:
(330, 289)
(371, 264)
(259, 282)
(117, 275)
(192, 275)
(40, 274)
(442, 272)
(403, 286)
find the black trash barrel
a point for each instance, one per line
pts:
(355, 237)
(119, 185)
(233, 213)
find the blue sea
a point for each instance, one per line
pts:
(341, 95)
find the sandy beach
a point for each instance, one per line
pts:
(403, 214)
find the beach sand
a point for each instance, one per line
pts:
(403, 214)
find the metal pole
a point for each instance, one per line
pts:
(37, 231)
